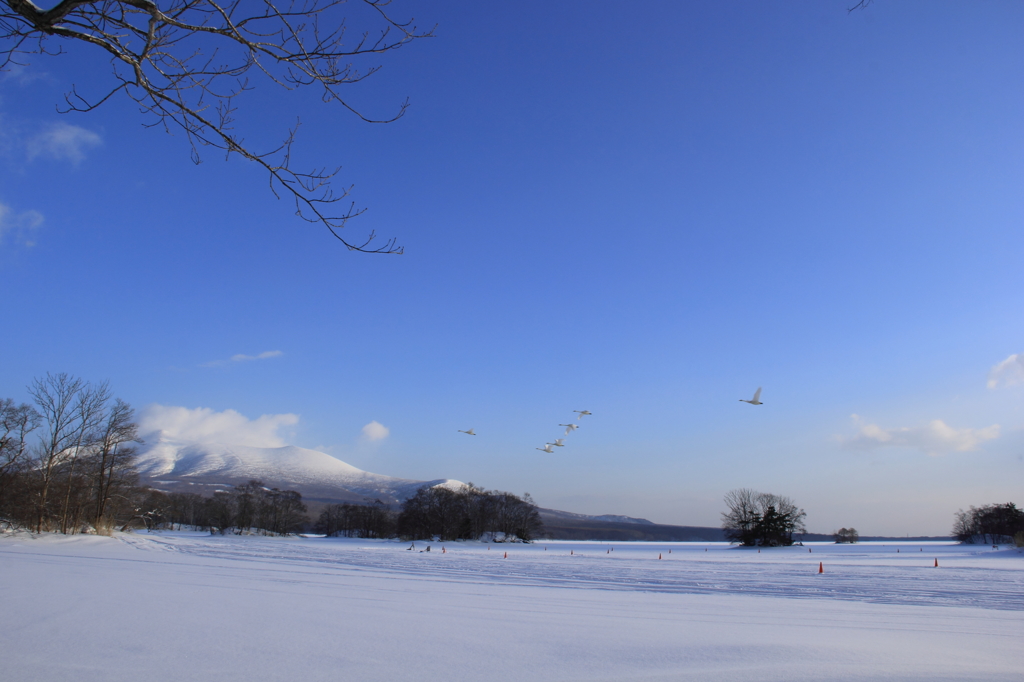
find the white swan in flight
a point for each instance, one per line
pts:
(559, 442)
(569, 428)
(546, 448)
(581, 413)
(756, 400)
(470, 432)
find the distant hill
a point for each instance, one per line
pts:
(611, 518)
(559, 525)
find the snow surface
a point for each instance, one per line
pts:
(183, 606)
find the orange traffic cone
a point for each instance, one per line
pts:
(821, 568)
(936, 563)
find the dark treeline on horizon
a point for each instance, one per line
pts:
(248, 508)
(468, 513)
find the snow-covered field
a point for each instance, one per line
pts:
(186, 606)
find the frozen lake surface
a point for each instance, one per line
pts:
(177, 606)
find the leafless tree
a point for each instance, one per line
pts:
(55, 396)
(111, 466)
(184, 62)
(16, 423)
(90, 409)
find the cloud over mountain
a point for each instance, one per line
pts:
(375, 431)
(204, 425)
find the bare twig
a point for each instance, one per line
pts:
(185, 61)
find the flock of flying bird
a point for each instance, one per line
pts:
(559, 442)
(570, 427)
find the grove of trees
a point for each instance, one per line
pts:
(78, 471)
(991, 524)
(67, 466)
(348, 520)
(248, 508)
(468, 514)
(846, 536)
(465, 514)
(761, 519)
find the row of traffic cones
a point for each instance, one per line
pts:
(821, 566)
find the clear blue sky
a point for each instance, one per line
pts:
(642, 210)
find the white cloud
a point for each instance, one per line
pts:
(203, 425)
(241, 357)
(63, 141)
(19, 228)
(935, 438)
(1008, 372)
(375, 431)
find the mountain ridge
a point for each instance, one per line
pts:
(179, 465)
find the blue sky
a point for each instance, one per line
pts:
(642, 211)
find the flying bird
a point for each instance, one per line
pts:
(559, 442)
(582, 413)
(546, 448)
(470, 432)
(569, 428)
(756, 400)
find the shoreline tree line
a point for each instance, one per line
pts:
(992, 524)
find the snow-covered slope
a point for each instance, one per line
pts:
(171, 464)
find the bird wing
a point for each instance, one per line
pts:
(757, 394)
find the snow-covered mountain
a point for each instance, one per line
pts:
(182, 466)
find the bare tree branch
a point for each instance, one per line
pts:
(185, 61)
